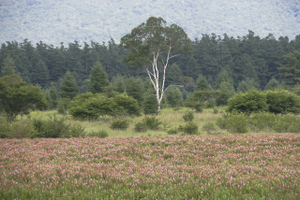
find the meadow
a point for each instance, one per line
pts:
(152, 164)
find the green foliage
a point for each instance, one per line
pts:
(272, 84)
(291, 69)
(150, 104)
(21, 129)
(126, 105)
(98, 79)
(149, 122)
(8, 66)
(252, 101)
(68, 86)
(263, 121)
(134, 87)
(62, 107)
(189, 128)
(173, 131)
(4, 128)
(140, 127)
(201, 83)
(17, 98)
(121, 124)
(209, 127)
(287, 124)
(247, 85)
(100, 134)
(174, 97)
(57, 128)
(201, 98)
(188, 116)
(91, 106)
(234, 122)
(152, 122)
(282, 101)
(150, 41)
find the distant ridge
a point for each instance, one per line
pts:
(55, 21)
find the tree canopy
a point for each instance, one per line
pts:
(152, 45)
(17, 98)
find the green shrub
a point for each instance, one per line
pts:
(121, 124)
(56, 128)
(189, 128)
(76, 130)
(282, 102)
(4, 128)
(149, 122)
(262, 120)
(100, 134)
(209, 127)
(249, 102)
(234, 122)
(21, 129)
(140, 127)
(287, 124)
(173, 131)
(188, 116)
(152, 122)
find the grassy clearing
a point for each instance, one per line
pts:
(247, 166)
(168, 117)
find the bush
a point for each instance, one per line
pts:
(100, 134)
(140, 127)
(148, 122)
(189, 128)
(121, 124)
(152, 123)
(188, 116)
(209, 127)
(233, 122)
(21, 129)
(282, 102)
(4, 128)
(57, 128)
(253, 101)
(262, 120)
(287, 124)
(172, 131)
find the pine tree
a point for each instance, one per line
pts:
(68, 86)
(98, 79)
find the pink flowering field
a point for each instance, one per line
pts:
(252, 166)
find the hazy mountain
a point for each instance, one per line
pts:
(55, 21)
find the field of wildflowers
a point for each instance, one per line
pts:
(265, 166)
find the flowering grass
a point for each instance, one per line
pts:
(265, 166)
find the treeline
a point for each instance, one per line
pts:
(247, 60)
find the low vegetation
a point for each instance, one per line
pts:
(188, 167)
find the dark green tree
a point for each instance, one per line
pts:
(272, 84)
(68, 86)
(282, 102)
(249, 102)
(174, 97)
(17, 98)
(152, 46)
(8, 66)
(247, 85)
(291, 70)
(201, 83)
(135, 88)
(98, 79)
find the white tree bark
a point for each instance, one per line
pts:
(154, 74)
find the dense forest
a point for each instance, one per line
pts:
(244, 58)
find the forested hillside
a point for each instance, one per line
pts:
(246, 58)
(55, 21)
